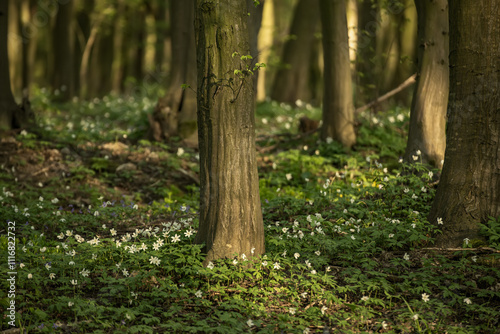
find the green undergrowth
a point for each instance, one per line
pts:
(348, 245)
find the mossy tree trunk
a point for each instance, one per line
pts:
(175, 113)
(430, 98)
(292, 82)
(338, 108)
(230, 209)
(469, 189)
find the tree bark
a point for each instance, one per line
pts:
(469, 189)
(230, 209)
(292, 80)
(338, 108)
(430, 99)
(63, 51)
(175, 113)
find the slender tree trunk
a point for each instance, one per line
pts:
(430, 99)
(63, 51)
(366, 69)
(292, 80)
(338, 108)
(118, 44)
(469, 189)
(175, 113)
(254, 23)
(230, 211)
(265, 42)
(161, 31)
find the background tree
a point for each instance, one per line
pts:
(175, 113)
(230, 209)
(469, 189)
(338, 108)
(430, 98)
(292, 81)
(63, 51)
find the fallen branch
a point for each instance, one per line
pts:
(408, 82)
(479, 249)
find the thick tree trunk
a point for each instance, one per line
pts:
(230, 211)
(430, 99)
(63, 52)
(11, 115)
(292, 80)
(338, 108)
(175, 113)
(469, 189)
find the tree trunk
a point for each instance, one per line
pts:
(469, 189)
(368, 24)
(430, 99)
(338, 108)
(230, 210)
(254, 23)
(11, 115)
(117, 67)
(265, 43)
(63, 52)
(175, 113)
(292, 80)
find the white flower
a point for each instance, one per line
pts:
(264, 264)
(235, 262)
(47, 266)
(69, 233)
(425, 297)
(74, 282)
(466, 240)
(323, 309)
(252, 250)
(276, 265)
(176, 238)
(125, 272)
(353, 237)
(292, 310)
(365, 298)
(431, 174)
(289, 176)
(415, 316)
(329, 140)
(296, 256)
(415, 157)
(85, 272)
(180, 151)
(154, 260)
(113, 232)
(306, 331)
(328, 269)
(70, 304)
(198, 294)
(210, 265)
(313, 272)
(391, 235)
(318, 253)
(249, 323)
(303, 295)
(54, 201)
(43, 249)
(440, 221)
(406, 257)
(467, 301)
(474, 258)
(418, 152)
(52, 275)
(30, 276)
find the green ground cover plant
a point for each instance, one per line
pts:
(105, 222)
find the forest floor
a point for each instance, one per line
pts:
(105, 220)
